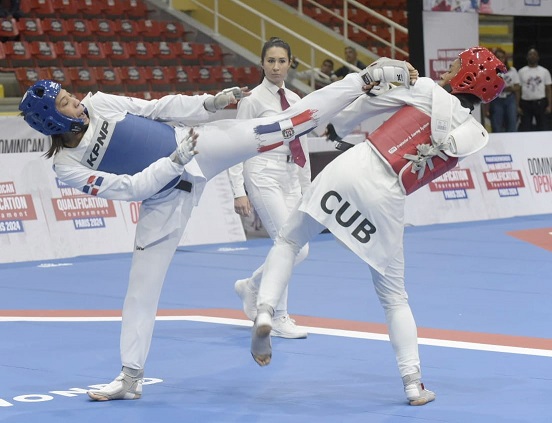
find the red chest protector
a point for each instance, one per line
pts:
(404, 142)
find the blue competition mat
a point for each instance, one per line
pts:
(480, 293)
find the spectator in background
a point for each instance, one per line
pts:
(502, 111)
(536, 94)
(10, 8)
(351, 58)
(322, 76)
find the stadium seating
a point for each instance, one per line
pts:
(56, 29)
(83, 79)
(93, 53)
(8, 29)
(68, 53)
(30, 29)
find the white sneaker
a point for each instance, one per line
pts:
(415, 391)
(128, 385)
(285, 327)
(248, 295)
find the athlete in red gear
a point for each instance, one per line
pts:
(360, 195)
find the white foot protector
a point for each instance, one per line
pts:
(261, 345)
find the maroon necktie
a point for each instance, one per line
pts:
(295, 145)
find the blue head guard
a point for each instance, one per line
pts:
(39, 110)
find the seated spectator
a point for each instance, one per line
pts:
(351, 58)
(321, 76)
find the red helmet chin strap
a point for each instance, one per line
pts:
(479, 74)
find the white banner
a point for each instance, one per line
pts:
(42, 219)
(492, 7)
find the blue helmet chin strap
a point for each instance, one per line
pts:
(39, 110)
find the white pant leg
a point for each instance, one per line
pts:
(225, 143)
(400, 321)
(147, 274)
(273, 188)
(278, 266)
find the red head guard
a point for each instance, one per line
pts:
(479, 74)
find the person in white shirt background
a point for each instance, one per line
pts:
(270, 184)
(536, 94)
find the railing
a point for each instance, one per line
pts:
(347, 5)
(314, 48)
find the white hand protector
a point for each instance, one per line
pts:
(223, 99)
(185, 150)
(386, 70)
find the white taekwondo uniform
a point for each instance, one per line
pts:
(360, 198)
(123, 155)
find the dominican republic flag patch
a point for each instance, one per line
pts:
(270, 136)
(93, 184)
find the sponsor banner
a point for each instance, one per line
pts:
(512, 176)
(42, 219)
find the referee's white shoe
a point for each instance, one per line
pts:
(128, 386)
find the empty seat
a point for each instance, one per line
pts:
(109, 79)
(37, 8)
(226, 76)
(117, 53)
(248, 76)
(68, 53)
(83, 79)
(55, 29)
(8, 29)
(127, 29)
(30, 29)
(58, 74)
(44, 53)
(18, 54)
(103, 29)
(134, 78)
(173, 31)
(212, 54)
(26, 77)
(141, 52)
(166, 53)
(150, 30)
(115, 9)
(94, 54)
(79, 29)
(136, 9)
(92, 8)
(66, 9)
(189, 52)
(159, 79)
(207, 80)
(183, 77)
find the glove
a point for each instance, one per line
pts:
(223, 99)
(387, 70)
(185, 150)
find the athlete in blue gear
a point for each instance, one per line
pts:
(122, 148)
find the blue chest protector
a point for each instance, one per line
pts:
(129, 146)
